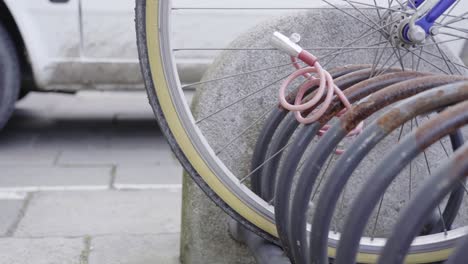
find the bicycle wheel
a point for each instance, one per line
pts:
(189, 142)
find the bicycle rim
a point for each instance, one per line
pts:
(188, 142)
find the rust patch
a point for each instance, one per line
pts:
(392, 94)
(372, 85)
(390, 120)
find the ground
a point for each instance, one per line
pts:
(87, 178)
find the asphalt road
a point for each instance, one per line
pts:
(87, 178)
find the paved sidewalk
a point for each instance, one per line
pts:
(87, 178)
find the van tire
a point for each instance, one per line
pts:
(10, 76)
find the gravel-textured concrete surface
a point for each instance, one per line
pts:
(464, 54)
(257, 94)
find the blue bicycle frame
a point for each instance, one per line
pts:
(427, 21)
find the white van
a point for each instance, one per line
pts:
(70, 45)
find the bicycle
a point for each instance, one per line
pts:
(401, 24)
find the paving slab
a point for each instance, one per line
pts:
(28, 156)
(142, 249)
(66, 137)
(11, 140)
(10, 210)
(102, 212)
(140, 114)
(148, 139)
(35, 178)
(40, 102)
(41, 251)
(113, 156)
(148, 175)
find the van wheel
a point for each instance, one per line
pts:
(10, 76)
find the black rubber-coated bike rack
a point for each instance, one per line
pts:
(408, 94)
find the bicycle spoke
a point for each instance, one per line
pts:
(401, 5)
(401, 132)
(443, 221)
(243, 179)
(341, 52)
(383, 65)
(464, 186)
(410, 178)
(375, 62)
(354, 41)
(377, 10)
(412, 62)
(362, 13)
(380, 7)
(279, 65)
(268, 49)
(259, 90)
(243, 98)
(429, 172)
(364, 35)
(450, 10)
(456, 19)
(323, 174)
(343, 196)
(454, 63)
(390, 2)
(442, 42)
(421, 49)
(428, 62)
(391, 65)
(443, 56)
(382, 34)
(440, 141)
(246, 129)
(377, 217)
(400, 59)
(454, 28)
(411, 2)
(453, 35)
(236, 75)
(241, 8)
(378, 59)
(341, 10)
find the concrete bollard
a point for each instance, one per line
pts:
(205, 237)
(464, 55)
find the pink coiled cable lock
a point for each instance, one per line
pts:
(324, 80)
